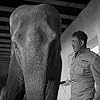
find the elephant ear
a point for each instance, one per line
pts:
(15, 81)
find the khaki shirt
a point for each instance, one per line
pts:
(85, 71)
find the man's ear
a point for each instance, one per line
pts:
(82, 42)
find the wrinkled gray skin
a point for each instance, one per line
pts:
(35, 34)
(15, 81)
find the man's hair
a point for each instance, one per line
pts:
(81, 36)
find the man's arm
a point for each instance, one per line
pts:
(96, 74)
(62, 82)
(66, 82)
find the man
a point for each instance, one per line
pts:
(84, 70)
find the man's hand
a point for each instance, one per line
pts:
(67, 82)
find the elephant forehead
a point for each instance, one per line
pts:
(25, 13)
(34, 14)
(32, 10)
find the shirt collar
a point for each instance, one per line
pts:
(83, 51)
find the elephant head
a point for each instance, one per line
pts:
(36, 34)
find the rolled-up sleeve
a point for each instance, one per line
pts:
(96, 74)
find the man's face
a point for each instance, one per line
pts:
(76, 44)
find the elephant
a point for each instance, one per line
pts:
(36, 58)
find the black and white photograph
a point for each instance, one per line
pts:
(49, 49)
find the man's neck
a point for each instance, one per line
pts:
(82, 48)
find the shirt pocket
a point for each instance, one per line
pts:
(82, 68)
(86, 67)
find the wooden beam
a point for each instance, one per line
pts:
(67, 16)
(1, 49)
(5, 19)
(4, 70)
(4, 66)
(5, 53)
(4, 27)
(5, 62)
(4, 59)
(5, 41)
(64, 26)
(5, 56)
(5, 45)
(5, 34)
(8, 9)
(60, 3)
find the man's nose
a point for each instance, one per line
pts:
(72, 44)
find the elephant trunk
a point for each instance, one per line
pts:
(34, 71)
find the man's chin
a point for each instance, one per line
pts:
(75, 51)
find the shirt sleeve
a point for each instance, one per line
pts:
(96, 74)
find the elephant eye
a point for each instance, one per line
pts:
(15, 45)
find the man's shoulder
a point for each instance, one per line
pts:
(89, 56)
(92, 56)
